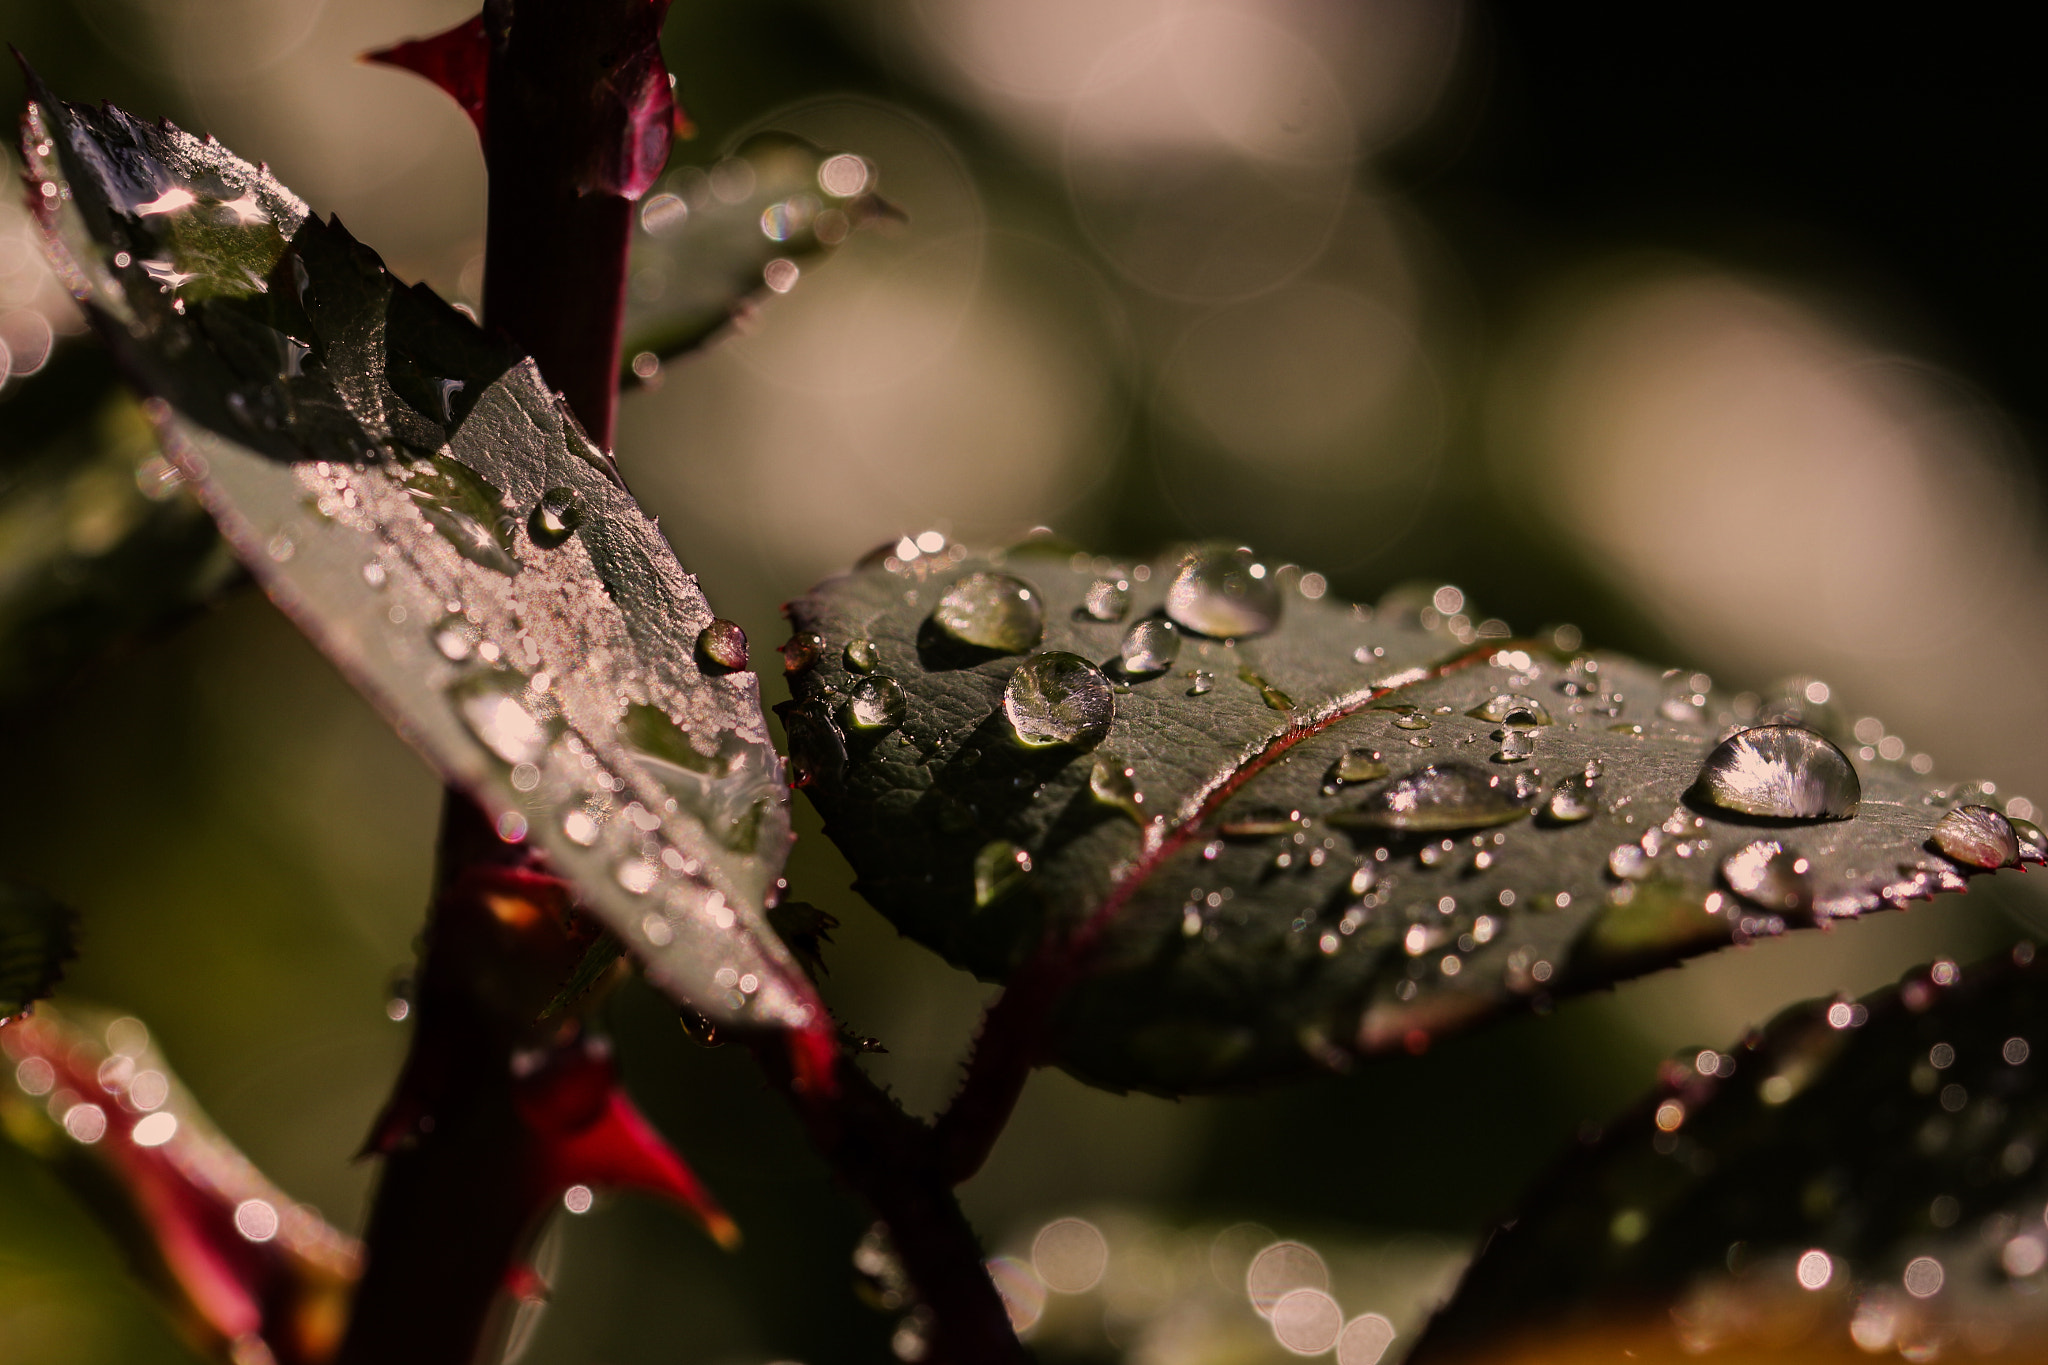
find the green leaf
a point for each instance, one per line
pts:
(101, 546)
(1860, 1172)
(709, 244)
(1226, 839)
(416, 499)
(36, 940)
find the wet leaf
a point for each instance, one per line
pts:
(709, 244)
(101, 545)
(246, 1272)
(381, 465)
(35, 943)
(1862, 1176)
(1258, 911)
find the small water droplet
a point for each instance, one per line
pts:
(492, 705)
(862, 656)
(1516, 746)
(1770, 876)
(1443, 796)
(1150, 647)
(555, 518)
(467, 512)
(1781, 772)
(2033, 843)
(876, 703)
(1057, 698)
(1628, 861)
(374, 575)
(802, 651)
(1107, 599)
(1411, 720)
(1572, 800)
(999, 866)
(1113, 784)
(1978, 836)
(1356, 765)
(1200, 682)
(1221, 592)
(1511, 709)
(992, 611)
(722, 645)
(456, 637)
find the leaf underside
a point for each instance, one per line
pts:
(709, 244)
(36, 940)
(429, 513)
(1233, 946)
(1896, 1139)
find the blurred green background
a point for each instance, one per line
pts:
(1719, 340)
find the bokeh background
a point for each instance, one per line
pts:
(1715, 334)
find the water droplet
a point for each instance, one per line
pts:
(992, 611)
(1978, 836)
(1200, 682)
(1572, 801)
(555, 518)
(876, 703)
(999, 866)
(1781, 772)
(1511, 708)
(1221, 592)
(802, 651)
(1411, 720)
(468, 512)
(862, 656)
(722, 645)
(1150, 647)
(492, 705)
(1056, 698)
(1116, 785)
(1107, 599)
(456, 636)
(1443, 796)
(1628, 861)
(1516, 746)
(1771, 876)
(2033, 843)
(1356, 765)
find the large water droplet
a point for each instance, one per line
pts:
(1150, 647)
(1771, 876)
(1411, 720)
(802, 651)
(1056, 698)
(468, 512)
(1977, 836)
(862, 656)
(1444, 796)
(876, 703)
(1107, 599)
(555, 518)
(494, 708)
(1572, 801)
(722, 645)
(1357, 765)
(1221, 592)
(992, 611)
(1780, 772)
(1114, 784)
(1511, 708)
(1516, 746)
(999, 866)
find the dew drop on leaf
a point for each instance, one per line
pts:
(1978, 836)
(1357, 765)
(1411, 720)
(1443, 796)
(456, 636)
(1107, 599)
(1780, 772)
(1150, 647)
(468, 512)
(1222, 593)
(1771, 876)
(1572, 799)
(2033, 844)
(802, 651)
(992, 611)
(1511, 708)
(1058, 698)
(1516, 746)
(1201, 682)
(862, 656)
(1115, 784)
(999, 866)
(876, 703)
(555, 518)
(491, 705)
(722, 645)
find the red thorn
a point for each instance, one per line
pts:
(459, 61)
